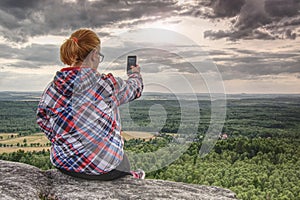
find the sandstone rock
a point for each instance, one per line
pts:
(21, 181)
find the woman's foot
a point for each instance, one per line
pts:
(139, 174)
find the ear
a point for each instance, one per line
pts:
(94, 55)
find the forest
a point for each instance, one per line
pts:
(258, 158)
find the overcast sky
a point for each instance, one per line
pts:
(231, 46)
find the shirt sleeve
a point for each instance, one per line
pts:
(43, 120)
(130, 89)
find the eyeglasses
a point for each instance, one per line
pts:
(101, 57)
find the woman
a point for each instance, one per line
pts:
(79, 114)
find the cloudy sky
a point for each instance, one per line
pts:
(231, 46)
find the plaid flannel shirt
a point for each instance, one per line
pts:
(79, 114)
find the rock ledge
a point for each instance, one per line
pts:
(21, 181)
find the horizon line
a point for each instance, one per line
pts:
(186, 93)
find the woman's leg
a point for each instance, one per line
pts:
(122, 170)
(124, 165)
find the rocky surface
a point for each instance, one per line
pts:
(21, 181)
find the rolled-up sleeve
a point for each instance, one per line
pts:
(130, 89)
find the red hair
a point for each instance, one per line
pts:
(78, 46)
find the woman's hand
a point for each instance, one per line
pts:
(135, 69)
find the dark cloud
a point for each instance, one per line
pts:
(259, 19)
(227, 8)
(9, 4)
(233, 35)
(246, 64)
(32, 56)
(252, 15)
(290, 35)
(256, 19)
(282, 8)
(22, 19)
(218, 52)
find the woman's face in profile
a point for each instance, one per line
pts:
(98, 57)
(94, 58)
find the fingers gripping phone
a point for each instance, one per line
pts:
(131, 61)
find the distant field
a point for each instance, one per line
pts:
(127, 135)
(31, 139)
(42, 140)
(14, 149)
(7, 135)
(35, 138)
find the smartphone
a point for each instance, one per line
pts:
(131, 61)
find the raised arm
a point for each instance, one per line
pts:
(130, 89)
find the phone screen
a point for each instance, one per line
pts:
(131, 61)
